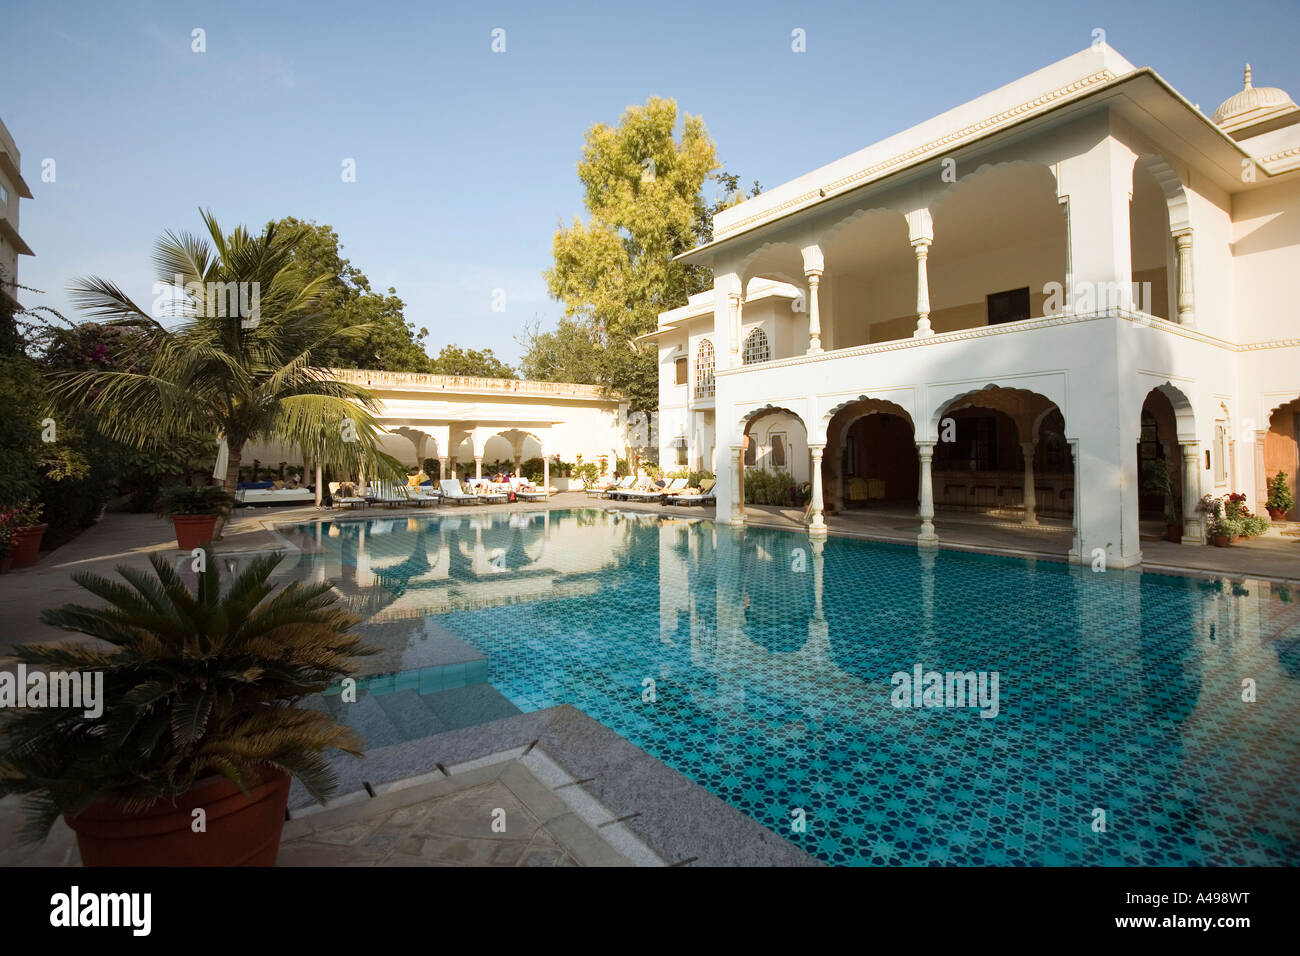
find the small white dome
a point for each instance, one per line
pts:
(1252, 105)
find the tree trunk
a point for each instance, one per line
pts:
(228, 485)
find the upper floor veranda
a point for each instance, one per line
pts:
(1087, 187)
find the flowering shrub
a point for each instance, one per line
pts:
(25, 514)
(1229, 516)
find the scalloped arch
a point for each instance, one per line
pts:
(952, 403)
(963, 183)
(887, 407)
(746, 264)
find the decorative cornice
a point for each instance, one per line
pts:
(466, 384)
(1284, 154)
(939, 145)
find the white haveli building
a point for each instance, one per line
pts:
(1022, 304)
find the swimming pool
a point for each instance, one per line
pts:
(769, 669)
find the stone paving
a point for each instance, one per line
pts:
(511, 810)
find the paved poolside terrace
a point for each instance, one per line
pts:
(570, 790)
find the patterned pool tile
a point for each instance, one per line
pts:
(760, 665)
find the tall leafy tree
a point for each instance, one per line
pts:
(480, 363)
(390, 342)
(614, 272)
(244, 377)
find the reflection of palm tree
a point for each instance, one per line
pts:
(396, 577)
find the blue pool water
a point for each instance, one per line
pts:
(771, 659)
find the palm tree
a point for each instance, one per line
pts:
(237, 373)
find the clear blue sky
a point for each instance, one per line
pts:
(465, 158)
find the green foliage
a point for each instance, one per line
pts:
(195, 684)
(615, 272)
(194, 500)
(589, 472)
(1230, 517)
(454, 360)
(212, 374)
(763, 487)
(20, 429)
(1161, 483)
(693, 478)
(1280, 497)
(346, 300)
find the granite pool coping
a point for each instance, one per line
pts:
(676, 818)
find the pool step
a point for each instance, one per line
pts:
(410, 714)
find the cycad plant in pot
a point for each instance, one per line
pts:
(197, 712)
(1161, 483)
(194, 511)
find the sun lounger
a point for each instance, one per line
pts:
(350, 501)
(525, 494)
(605, 490)
(705, 495)
(656, 494)
(635, 487)
(452, 491)
(390, 494)
(487, 491)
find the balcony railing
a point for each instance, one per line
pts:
(705, 390)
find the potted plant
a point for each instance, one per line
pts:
(194, 511)
(1217, 527)
(26, 534)
(197, 710)
(1161, 483)
(1280, 500)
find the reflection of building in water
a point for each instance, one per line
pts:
(396, 568)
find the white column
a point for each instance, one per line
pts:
(546, 473)
(1183, 244)
(737, 517)
(478, 466)
(443, 464)
(735, 323)
(320, 488)
(923, 329)
(1031, 500)
(814, 313)
(817, 527)
(1193, 530)
(927, 537)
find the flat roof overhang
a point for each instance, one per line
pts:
(10, 233)
(1143, 98)
(13, 174)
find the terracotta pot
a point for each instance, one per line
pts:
(193, 530)
(1221, 540)
(1174, 533)
(240, 831)
(1276, 514)
(27, 545)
